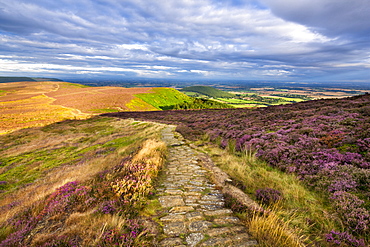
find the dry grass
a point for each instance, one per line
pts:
(151, 153)
(31, 112)
(271, 231)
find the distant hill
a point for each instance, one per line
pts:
(45, 79)
(208, 91)
(5, 79)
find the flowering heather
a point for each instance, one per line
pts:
(326, 143)
(268, 196)
(122, 237)
(108, 207)
(350, 208)
(344, 239)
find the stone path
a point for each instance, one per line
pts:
(196, 215)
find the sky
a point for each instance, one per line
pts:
(284, 40)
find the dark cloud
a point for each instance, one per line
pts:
(331, 17)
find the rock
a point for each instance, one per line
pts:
(193, 238)
(171, 201)
(174, 192)
(218, 212)
(199, 226)
(170, 242)
(181, 209)
(174, 228)
(193, 216)
(227, 220)
(173, 218)
(217, 242)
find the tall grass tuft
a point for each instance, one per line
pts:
(269, 230)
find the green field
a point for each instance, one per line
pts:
(285, 98)
(238, 101)
(169, 99)
(207, 91)
(164, 98)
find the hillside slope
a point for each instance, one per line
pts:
(38, 103)
(78, 182)
(325, 144)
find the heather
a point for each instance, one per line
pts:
(324, 143)
(90, 196)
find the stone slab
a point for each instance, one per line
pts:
(171, 201)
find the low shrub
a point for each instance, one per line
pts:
(268, 196)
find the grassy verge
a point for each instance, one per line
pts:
(304, 215)
(78, 183)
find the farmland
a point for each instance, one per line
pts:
(241, 97)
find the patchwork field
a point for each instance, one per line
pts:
(242, 97)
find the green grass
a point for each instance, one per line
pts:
(108, 110)
(248, 105)
(69, 85)
(27, 167)
(238, 101)
(164, 98)
(208, 91)
(285, 98)
(191, 94)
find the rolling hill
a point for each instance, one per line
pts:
(38, 103)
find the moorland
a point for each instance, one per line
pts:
(37, 103)
(85, 173)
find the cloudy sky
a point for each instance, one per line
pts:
(288, 40)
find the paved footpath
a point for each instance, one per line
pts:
(196, 213)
